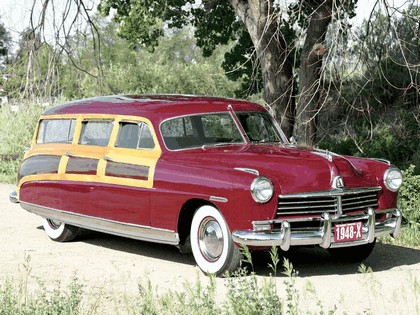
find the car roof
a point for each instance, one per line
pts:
(157, 107)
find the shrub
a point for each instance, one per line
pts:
(409, 200)
(16, 131)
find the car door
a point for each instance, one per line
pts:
(127, 170)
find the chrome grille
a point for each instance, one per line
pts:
(333, 202)
(359, 201)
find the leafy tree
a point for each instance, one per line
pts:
(34, 70)
(176, 66)
(5, 41)
(375, 112)
(265, 33)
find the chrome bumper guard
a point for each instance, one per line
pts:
(13, 197)
(286, 237)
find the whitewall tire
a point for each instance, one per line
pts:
(59, 231)
(211, 242)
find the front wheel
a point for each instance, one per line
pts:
(352, 254)
(59, 231)
(212, 244)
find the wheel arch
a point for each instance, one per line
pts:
(186, 215)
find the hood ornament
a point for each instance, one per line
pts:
(337, 182)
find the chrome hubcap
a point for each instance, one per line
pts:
(210, 239)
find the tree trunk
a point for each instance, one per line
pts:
(260, 20)
(309, 103)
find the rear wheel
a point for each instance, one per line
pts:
(59, 231)
(352, 254)
(211, 242)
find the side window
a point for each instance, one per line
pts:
(56, 131)
(135, 136)
(178, 127)
(146, 139)
(219, 126)
(96, 132)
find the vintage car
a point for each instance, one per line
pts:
(202, 173)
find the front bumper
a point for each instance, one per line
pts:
(285, 236)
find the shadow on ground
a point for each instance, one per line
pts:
(308, 262)
(316, 261)
(132, 246)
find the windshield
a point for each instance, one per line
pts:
(259, 127)
(200, 130)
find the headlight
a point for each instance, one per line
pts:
(393, 178)
(262, 189)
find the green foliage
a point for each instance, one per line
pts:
(16, 131)
(292, 293)
(274, 255)
(176, 66)
(365, 269)
(390, 133)
(246, 295)
(216, 23)
(34, 71)
(408, 197)
(409, 203)
(5, 40)
(375, 111)
(17, 299)
(198, 299)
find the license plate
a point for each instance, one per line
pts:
(348, 232)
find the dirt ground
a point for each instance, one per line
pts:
(111, 266)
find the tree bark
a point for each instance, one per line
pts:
(309, 103)
(260, 20)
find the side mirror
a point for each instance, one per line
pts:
(293, 140)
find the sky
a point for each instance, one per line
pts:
(15, 14)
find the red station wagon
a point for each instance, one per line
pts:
(204, 174)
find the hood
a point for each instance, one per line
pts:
(291, 169)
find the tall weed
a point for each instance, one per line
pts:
(17, 299)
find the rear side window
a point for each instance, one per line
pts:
(96, 132)
(56, 131)
(135, 136)
(178, 127)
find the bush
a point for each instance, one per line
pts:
(409, 200)
(16, 131)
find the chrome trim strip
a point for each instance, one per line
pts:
(248, 170)
(238, 123)
(218, 199)
(286, 236)
(381, 160)
(323, 153)
(139, 232)
(332, 193)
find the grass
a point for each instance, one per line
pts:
(245, 294)
(409, 237)
(17, 298)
